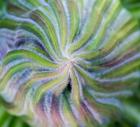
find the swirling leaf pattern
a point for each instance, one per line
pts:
(67, 63)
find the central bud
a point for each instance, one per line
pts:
(68, 61)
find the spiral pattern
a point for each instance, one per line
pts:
(67, 63)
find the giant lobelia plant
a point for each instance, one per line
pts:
(67, 63)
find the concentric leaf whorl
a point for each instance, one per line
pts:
(67, 63)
